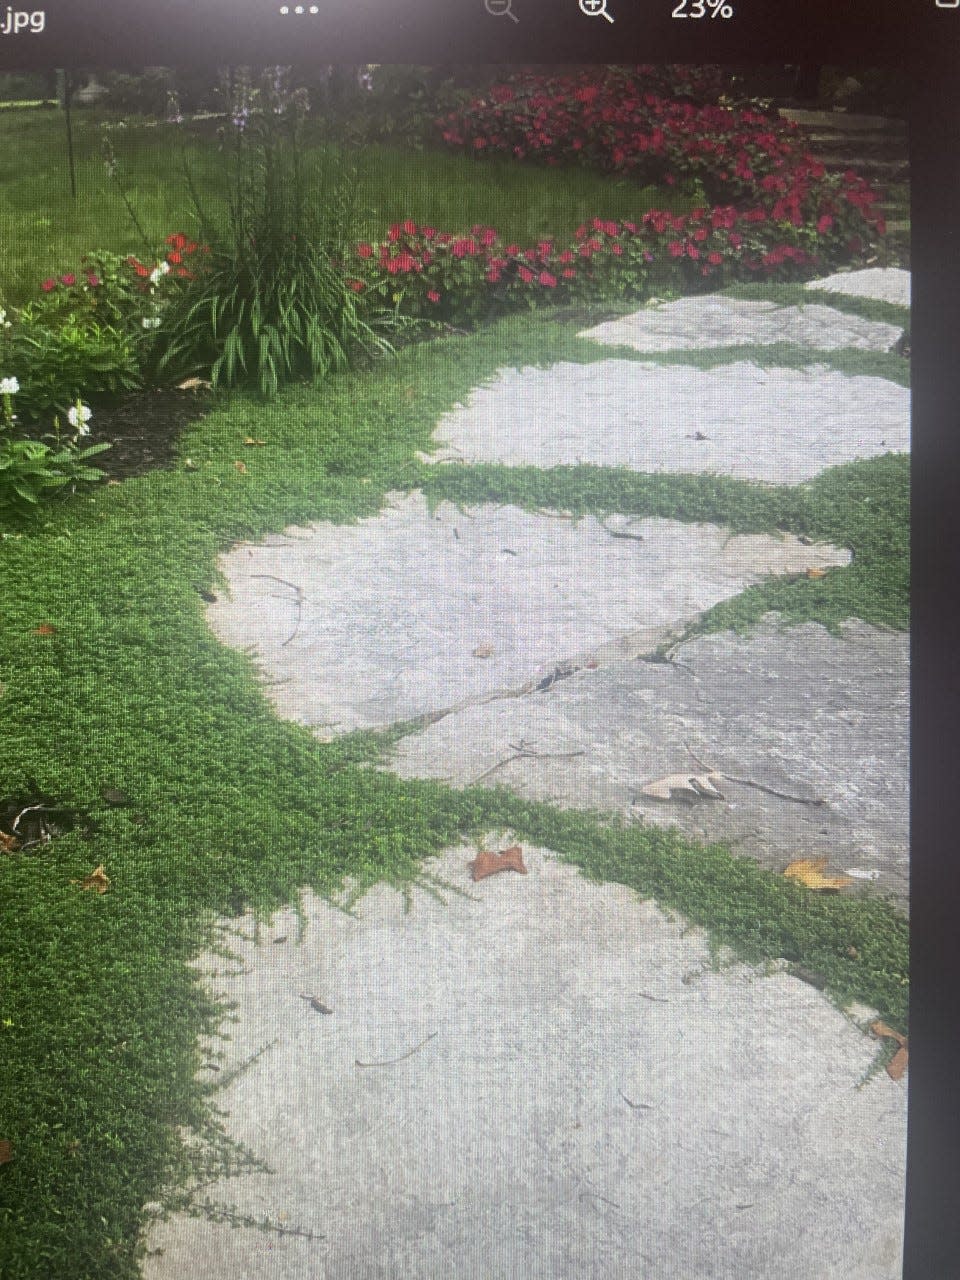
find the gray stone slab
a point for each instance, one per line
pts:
(769, 424)
(409, 613)
(569, 1090)
(717, 321)
(796, 710)
(886, 284)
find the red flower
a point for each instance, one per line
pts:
(676, 249)
(715, 258)
(92, 280)
(175, 257)
(548, 280)
(364, 250)
(433, 295)
(356, 285)
(568, 273)
(410, 227)
(693, 251)
(68, 279)
(177, 240)
(394, 233)
(525, 275)
(824, 223)
(48, 284)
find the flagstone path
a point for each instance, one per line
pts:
(561, 1085)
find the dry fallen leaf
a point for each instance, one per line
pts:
(8, 843)
(816, 573)
(697, 784)
(45, 629)
(488, 864)
(898, 1063)
(483, 651)
(241, 466)
(6, 1151)
(809, 872)
(97, 879)
(250, 440)
(194, 384)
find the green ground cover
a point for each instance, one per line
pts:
(230, 806)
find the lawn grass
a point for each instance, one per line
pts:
(43, 231)
(230, 806)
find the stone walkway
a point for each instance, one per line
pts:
(563, 1085)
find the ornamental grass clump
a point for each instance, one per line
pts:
(272, 302)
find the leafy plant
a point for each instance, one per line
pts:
(56, 365)
(30, 468)
(274, 302)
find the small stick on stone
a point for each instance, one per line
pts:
(620, 533)
(299, 602)
(818, 803)
(637, 1106)
(391, 1062)
(522, 752)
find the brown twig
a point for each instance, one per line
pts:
(522, 752)
(299, 602)
(760, 786)
(620, 533)
(391, 1062)
(637, 1106)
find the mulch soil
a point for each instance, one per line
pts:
(143, 430)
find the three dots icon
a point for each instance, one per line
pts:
(299, 8)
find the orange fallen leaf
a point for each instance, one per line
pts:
(809, 872)
(6, 1151)
(898, 1063)
(488, 864)
(45, 629)
(241, 466)
(816, 573)
(97, 879)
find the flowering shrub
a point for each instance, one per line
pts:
(31, 468)
(741, 159)
(434, 274)
(55, 365)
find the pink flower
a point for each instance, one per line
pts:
(525, 275)
(547, 279)
(676, 249)
(93, 280)
(356, 285)
(410, 227)
(433, 295)
(365, 250)
(48, 284)
(68, 279)
(824, 223)
(715, 258)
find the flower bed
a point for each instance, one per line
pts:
(773, 213)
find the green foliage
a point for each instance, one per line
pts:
(56, 365)
(30, 469)
(274, 303)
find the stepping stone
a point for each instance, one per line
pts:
(718, 321)
(408, 614)
(798, 711)
(886, 284)
(771, 424)
(541, 1079)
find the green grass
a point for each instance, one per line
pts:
(99, 1016)
(43, 231)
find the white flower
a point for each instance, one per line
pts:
(9, 386)
(155, 275)
(4, 322)
(150, 324)
(78, 415)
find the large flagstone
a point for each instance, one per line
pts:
(769, 424)
(818, 723)
(714, 320)
(409, 613)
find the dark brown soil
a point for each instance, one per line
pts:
(144, 429)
